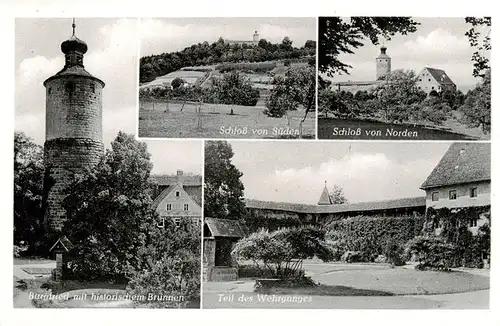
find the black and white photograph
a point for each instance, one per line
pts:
(101, 219)
(346, 225)
(406, 78)
(227, 78)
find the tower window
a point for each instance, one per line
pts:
(50, 90)
(92, 88)
(70, 87)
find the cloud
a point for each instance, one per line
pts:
(115, 63)
(363, 176)
(437, 43)
(161, 35)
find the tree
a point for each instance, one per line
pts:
(337, 35)
(397, 97)
(310, 44)
(172, 263)
(337, 195)
(476, 109)
(233, 88)
(283, 251)
(223, 187)
(28, 193)
(297, 87)
(177, 82)
(109, 213)
(482, 47)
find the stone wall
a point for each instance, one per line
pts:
(73, 108)
(63, 159)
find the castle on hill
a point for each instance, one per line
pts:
(429, 79)
(255, 40)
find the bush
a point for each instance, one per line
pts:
(177, 82)
(431, 252)
(17, 251)
(282, 251)
(380, 259)
(177, 275)
(371, 236)
(352, 257)
(395, 254)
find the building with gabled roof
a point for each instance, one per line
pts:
(179, 196)
(461, 179)
(432, 79)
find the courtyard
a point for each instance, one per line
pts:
(360, 286)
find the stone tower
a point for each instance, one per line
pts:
(73, 128)
(256, 37)
(383, 63)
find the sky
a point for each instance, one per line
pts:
(112, 57)
(438, 43)
(296, 171)
(174, 34)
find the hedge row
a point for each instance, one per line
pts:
(371, 236)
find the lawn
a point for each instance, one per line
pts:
(31, 261)
(215, 121)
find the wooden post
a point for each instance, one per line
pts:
(200, 126)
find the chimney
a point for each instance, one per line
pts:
(180, 177)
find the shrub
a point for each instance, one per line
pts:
(431, 252)
(370, 236)
(177, 82)
(283, 251)
(352, 257)
(380, 259)
(17, 251)
(177, 275)
(394, 253)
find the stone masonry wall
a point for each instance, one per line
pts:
(63, 159)
(73, 108)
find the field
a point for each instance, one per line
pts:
(216, 121)
(189, 76)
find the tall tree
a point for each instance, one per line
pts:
(297, 87)
(223, 187)
(109, 212)
(480, 27)
(28, 193)
(338, 35)
(476, 109)
(234, 88)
